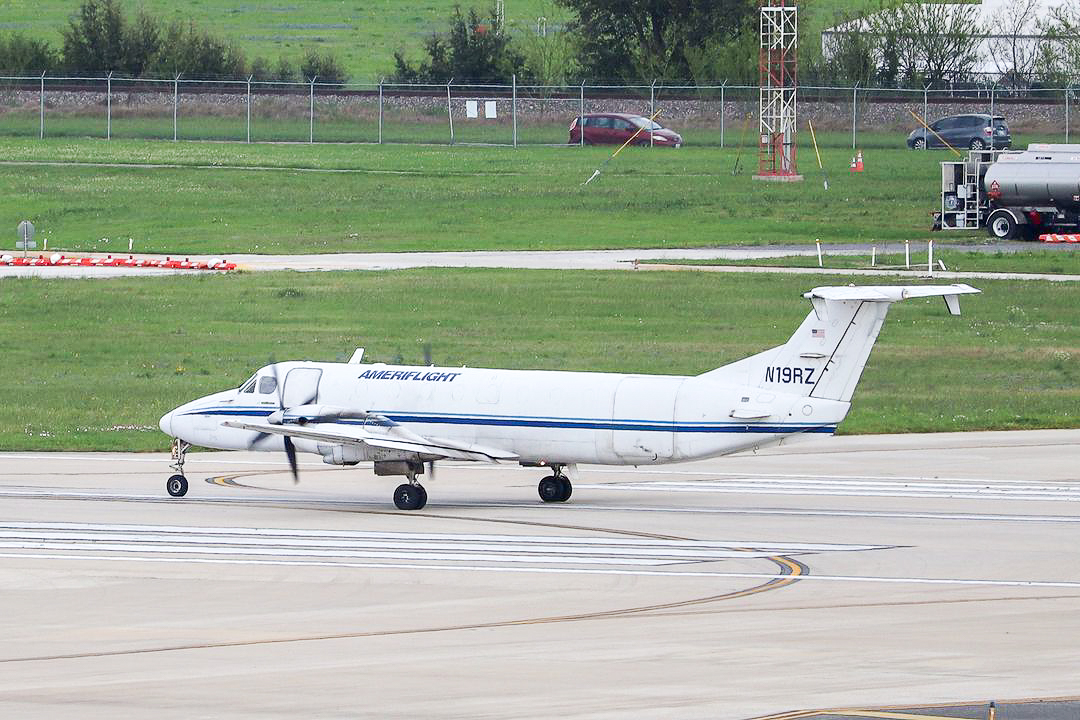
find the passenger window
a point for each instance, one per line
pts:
(249, 386)
(267, 384)
(603, 122)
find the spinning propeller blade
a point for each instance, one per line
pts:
(290, 452)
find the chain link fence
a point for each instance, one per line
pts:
(715, 115)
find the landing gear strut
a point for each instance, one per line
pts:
(177, 485)
(555, 488)
(411, 495)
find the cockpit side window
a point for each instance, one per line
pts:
(249, 386)
(267, 384)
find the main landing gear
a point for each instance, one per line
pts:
(177, 484)
(411, 495)
(555, 488)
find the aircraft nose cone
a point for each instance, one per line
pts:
(165, 423)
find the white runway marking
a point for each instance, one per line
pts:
(860, 487)
(1069, 584)
(349, 503)
(428, 547)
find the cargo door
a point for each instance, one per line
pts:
(642, 418)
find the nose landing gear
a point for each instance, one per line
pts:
(177, 485)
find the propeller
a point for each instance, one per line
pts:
(290, 448)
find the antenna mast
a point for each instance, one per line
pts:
(777, 93)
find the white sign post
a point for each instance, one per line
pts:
(26, 237)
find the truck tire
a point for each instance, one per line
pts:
(1001, 225)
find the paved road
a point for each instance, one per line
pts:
(854, 572)
(551, 260)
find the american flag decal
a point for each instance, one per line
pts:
(818, 333)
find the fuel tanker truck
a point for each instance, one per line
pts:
(1012, 193)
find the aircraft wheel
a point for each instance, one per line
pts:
(410, 497)
(176, 485)
(551, 489)
(567, 489)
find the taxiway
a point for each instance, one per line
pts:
(852, 572)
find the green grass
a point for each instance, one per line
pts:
(364, 35)
(238, 197)
(92, 364)
(1065, 260)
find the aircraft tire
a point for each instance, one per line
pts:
(567, 489)
(177, 485)
(410, 497)
(551, 489)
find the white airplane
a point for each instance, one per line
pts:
(401, 418)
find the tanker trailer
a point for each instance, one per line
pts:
(1013, 194)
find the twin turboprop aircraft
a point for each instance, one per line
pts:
(403, 418)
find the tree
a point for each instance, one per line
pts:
(94, 38)
(634, 39)
(931, 43)
(23, 56)
(1059, 54)
(323, 66)
(473, 50)
(196, 53)
(1015, 49)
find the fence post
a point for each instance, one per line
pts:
(1068, 92)
(249, 107)
(854, 107)
(652, 108)
(722, 88)
(380, 109)
(311, 110)
(108, 106)
(993, 88)
(175, 96)
(513, 106)
(449, 110)
(925, 114)
(41, 121)
(581, 118)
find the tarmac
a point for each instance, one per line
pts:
(905, 576)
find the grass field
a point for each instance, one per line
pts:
(364, 35)
(221, 198)
(1064, 259)
(92, 364)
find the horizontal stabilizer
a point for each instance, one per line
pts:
(887, 293)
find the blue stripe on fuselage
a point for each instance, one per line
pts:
(555, 423)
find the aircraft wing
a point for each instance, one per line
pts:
(398, 439)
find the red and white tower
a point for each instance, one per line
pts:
(777, 94)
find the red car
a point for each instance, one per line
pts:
(617, 128)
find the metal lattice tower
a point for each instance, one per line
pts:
(777, 94)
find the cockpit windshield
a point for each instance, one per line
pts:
(264, 385)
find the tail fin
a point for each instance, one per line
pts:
(826, 355)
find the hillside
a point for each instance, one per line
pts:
(363, 33)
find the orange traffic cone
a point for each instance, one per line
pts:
(856, 162)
